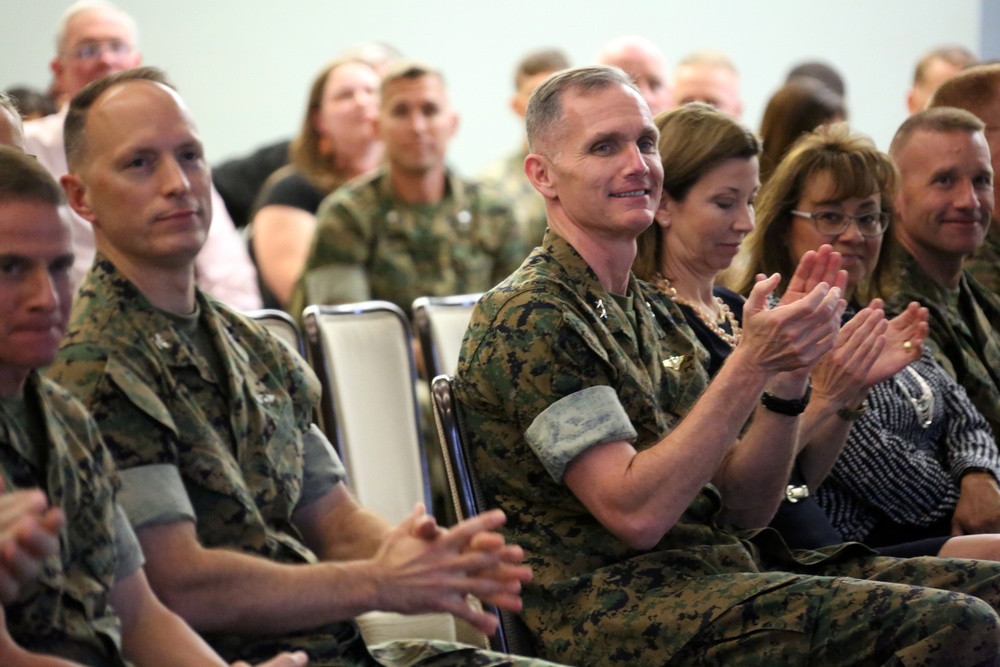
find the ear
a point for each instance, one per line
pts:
(455, 120)
(78, 197)
(518, 104)
(665, 210)
(539, 171)
(911, 102)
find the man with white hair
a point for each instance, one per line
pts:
(95, 39)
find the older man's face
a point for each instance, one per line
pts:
(98, 42)
(604, 166)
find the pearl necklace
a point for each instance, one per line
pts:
(923, 405)
(725, 314)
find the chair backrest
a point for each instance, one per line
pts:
(281, 324)
(441, 323)
(363, 355)
(512, 635)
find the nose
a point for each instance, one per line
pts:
(745, 220)
(965, 195)
(635, 161)
(42, 295)
(175, 179)
(852, 234)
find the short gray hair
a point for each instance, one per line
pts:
(82, 6)
(545, 105)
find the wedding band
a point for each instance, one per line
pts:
(907, 345)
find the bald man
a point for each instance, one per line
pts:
(642, 60)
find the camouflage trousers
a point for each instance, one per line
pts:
(860, 612)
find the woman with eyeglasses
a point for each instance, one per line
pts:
(899, 484)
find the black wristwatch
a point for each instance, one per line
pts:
(786, 406)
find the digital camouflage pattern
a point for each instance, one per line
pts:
(964, 329)
(157, 400)
(66, 612)
(507, 177)
(984, 264)
(369, 245)
(704, 594)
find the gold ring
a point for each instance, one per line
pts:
(907, 345)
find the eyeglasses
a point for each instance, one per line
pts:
(835, 223)
(93, 50)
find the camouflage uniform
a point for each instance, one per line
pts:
(984, 265)
(66, 612)
(507, 177)
(237, 454)
(369, 245)
(552, 365)
(965, 330)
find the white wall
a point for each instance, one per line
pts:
(244, 65)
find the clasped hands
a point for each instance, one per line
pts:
(424, 567)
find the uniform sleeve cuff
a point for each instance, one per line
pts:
(154, 494)
(575, 423)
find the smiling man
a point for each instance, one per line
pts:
(572, 381)
(945, 204)
(412, 228)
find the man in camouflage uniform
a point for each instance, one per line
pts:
(91, 602)
(977, 90)
(945, 203)
(573, 398)
(237, 498)
(507, 174)
(411, 228)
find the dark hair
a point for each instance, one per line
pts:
(694, 140)
(820, 71)
(74, 129)
(856, 168)
(798, 107)
(23, 178)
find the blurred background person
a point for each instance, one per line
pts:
(507, 174)
(711, 77)
(641, 59)
(934, 68)
(31, 103)
(337, 141)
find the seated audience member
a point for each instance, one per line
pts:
(797, 108)
(237, 499)
(411, 228)
(31, 103)
(644, 62)
(920, 463)
(573, 382)
(944, 205)
(338, 140)
(240, 180)
(11, 128)
(95, 39)
(819, 71)
(507, 175)
(977, 90)
(90, 601)
(710, 77)
(934, 68)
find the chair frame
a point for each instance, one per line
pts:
(512, 635)
(263, 315)
(424, 326)
(323, 365)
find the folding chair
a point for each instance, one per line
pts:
(281, 325)
(441, 323)
(512, 635)
(363, 355)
